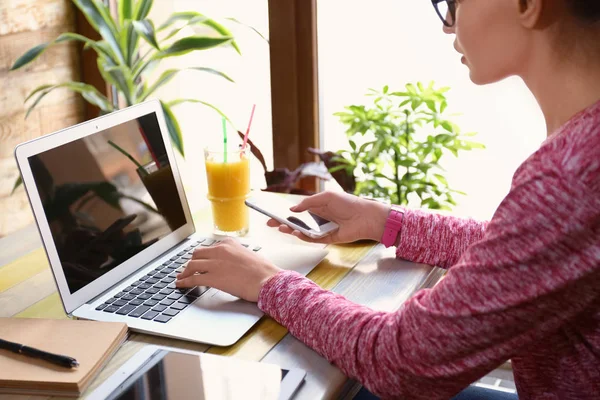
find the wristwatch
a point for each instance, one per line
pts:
(393, 224)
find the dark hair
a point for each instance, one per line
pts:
(586, 10)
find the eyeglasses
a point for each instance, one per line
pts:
(446, 10)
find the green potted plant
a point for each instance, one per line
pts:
(125, 62)
(397, 142)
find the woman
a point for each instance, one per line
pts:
(524, 286)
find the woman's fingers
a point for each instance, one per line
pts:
(273, 223)
(196, 267)
(314, 201)
(194, 280)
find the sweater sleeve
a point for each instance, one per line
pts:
(436, 239)
(536, 269)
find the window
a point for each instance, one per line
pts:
(393, 42)
(201, 126)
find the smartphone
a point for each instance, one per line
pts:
(278, 208)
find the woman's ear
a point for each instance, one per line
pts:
(530, 12)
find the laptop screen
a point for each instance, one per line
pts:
(107, 197)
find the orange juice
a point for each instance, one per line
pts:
(228, 188)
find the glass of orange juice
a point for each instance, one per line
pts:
(228, 175)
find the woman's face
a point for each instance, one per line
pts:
(491, 38)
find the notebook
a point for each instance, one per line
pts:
(91, 343)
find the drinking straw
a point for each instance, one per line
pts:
(224, 140)
(248, 129)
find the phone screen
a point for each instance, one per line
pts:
(280, 208)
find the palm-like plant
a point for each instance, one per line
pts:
(123, 62)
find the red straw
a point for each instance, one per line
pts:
(248, 129)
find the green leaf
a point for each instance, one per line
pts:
(88, 92)
(223, 31)
(192, 43)
(18, 183)
(99, 18)
(443, 106)
(163, 79)
(441, 178)
(181, 101)
(352, 144)
(248, 26)
(178, 16)
(192, 18)
(473, 145)
(170, 74)
(29, 56)
(173, 127)
(125, 10)
(142, 9)
(119, 76)
(145, 29)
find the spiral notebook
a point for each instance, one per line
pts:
(91, 343)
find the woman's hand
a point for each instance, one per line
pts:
(358, 218)
(230, 267)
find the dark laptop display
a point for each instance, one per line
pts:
(107, 197)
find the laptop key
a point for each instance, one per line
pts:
(120, 294)
(197, 291)
(186, 257)
(160, 285)
(128, 288)
(144, 296)
(198, 242)
(136, 283)
(167, 302)
(175, 296)
(136, 291)
(186, 300)
(151, 303)
(171, 312)
(138, 312)
(136, 302)
(111, 309)
(151, 280)
(168, 279)
(180, 262)
(257, 248)
(173, 258)
(152, 290)
(102, 306)
(143, 278)
(166, 291)
(128, 297)
(125, 310)
(179, 306)
(159, 308)
(111, 300)
(181, 253)
(162, 318)
(166, 263)
(144, 285)
(150, 315)
(160, 275)
(120, 303)
(159, 297)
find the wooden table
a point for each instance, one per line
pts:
(364, 272)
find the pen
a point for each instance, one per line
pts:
(57, 359)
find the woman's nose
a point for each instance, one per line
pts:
(449, 29)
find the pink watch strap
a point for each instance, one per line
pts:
(393, 224)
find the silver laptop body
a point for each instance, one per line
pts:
(110, 207)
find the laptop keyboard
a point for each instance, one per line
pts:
(154, 296)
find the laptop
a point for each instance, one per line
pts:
(111, 210)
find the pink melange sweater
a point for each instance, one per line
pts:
(524, 286)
